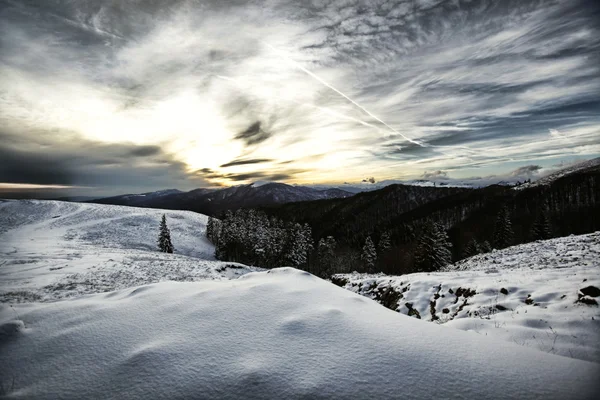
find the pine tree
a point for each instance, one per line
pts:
(164, 238)
(369, 254)
(503, 233)
(210, 229)
(326, 256)
(471, 249)
(485, 247)
(384, 243)
(433, 249)
(541, 229)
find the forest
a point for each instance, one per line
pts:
(402, 229)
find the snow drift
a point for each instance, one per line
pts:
(277, 334)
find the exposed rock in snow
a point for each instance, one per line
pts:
(536, 295)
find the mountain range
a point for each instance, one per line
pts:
(215, 201)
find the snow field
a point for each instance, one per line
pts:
(277, 334)
(51, 250)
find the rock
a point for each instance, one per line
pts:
(503, 291)
(445, 311)
(591, 291)
(587, 300)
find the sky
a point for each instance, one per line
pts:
(108, 97)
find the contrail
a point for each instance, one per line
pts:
(323, 109)
(300, 67)
(319, 79)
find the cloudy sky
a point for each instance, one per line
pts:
(124, 96)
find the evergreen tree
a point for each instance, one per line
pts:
(384, 244)
(433, 249)
(471, 249)
(369, 255)
(164, 237)
(210, 229)
(485, 247)
(541, 228)
(503, 233)
(326, 256)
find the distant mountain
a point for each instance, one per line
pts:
(352, 219)
(75, 199)
(216, 201)
(137, 200)
(570, 198)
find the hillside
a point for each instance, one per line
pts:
(51, 249)
(581, 167)
(570, 202)
(351, 219)
(538, 295)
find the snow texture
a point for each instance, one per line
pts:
(529, 294)
(281, 334)
(51, 249)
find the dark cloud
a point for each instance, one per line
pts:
(145, 151)
(246, 162)
(526, 170)
(253, 134)
(106, 168)
(34, 167)
(252, 176)
(435, 175)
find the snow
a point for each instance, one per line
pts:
(539, 307)
(277, 334)
(92, 310)
(553, 176)
(51, 249)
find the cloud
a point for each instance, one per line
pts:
(435, 175)
(90, 167)
(145, 151)
(527, 171)
(246, 162)
(197, 93)
(253, 134)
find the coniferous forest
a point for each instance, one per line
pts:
(402, 229)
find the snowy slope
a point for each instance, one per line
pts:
(571, 169)
(282, 334)
(52, 249)
(528, 294)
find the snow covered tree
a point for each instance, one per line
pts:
(164, 238)
(369, 254)
(298, 245)
(433, 249)
(210, 229)
(471, 249)
(541, 228)
(384, 244)
(503, 232)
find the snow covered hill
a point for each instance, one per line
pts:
(51, 249)
(281, 334)
(589, 165)
(532, 294)
(96, 312)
